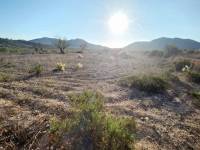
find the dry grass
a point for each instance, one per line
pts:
(164, 120)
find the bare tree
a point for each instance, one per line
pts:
(38, 48)
(62, 44)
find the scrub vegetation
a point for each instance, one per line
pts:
(99, 100)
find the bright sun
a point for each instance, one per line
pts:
(118, 23)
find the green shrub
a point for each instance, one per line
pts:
(37, 69)
(87, 99)
(3, 50)
(194, 76)
(196, 94)
(120, 132)
(14, 50)
(4, 77)
(91, 128)
(9, 65)
(42, 91)
(57, 125)
(179, 65)
(151, 84)
(196, 98)
(11, 50)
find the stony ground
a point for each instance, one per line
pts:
(164, 121)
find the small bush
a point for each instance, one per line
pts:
(42, 91)
(37, 69)
(92, 128)
(196, 94)
(151, 84)
(87, 99)
(4, 77)
(179, 65)
(194, 77)
(9, 65)
(60, 67)
(120, 133)
(196, 98)
(3, 50)
(57, 125)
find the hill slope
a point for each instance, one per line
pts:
(20, 43)
(15, 43)
(73, 43)
(161, 43)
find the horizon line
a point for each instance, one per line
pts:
(104, 45)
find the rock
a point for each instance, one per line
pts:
(176, 99)
(146, 118)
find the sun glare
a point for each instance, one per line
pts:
(118, 23)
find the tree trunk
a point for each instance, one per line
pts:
(62, 51)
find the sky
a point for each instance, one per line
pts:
(89, 19)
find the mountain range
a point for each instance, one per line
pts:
(73, 43)
(156, 44)
(161, 43)
(15, 43)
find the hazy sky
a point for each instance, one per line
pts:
(88, 19)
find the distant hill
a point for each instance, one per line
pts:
(15, 43)
(19, 43)
(73, 43)
(157, 44)
(45, 41)
(161, 43)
